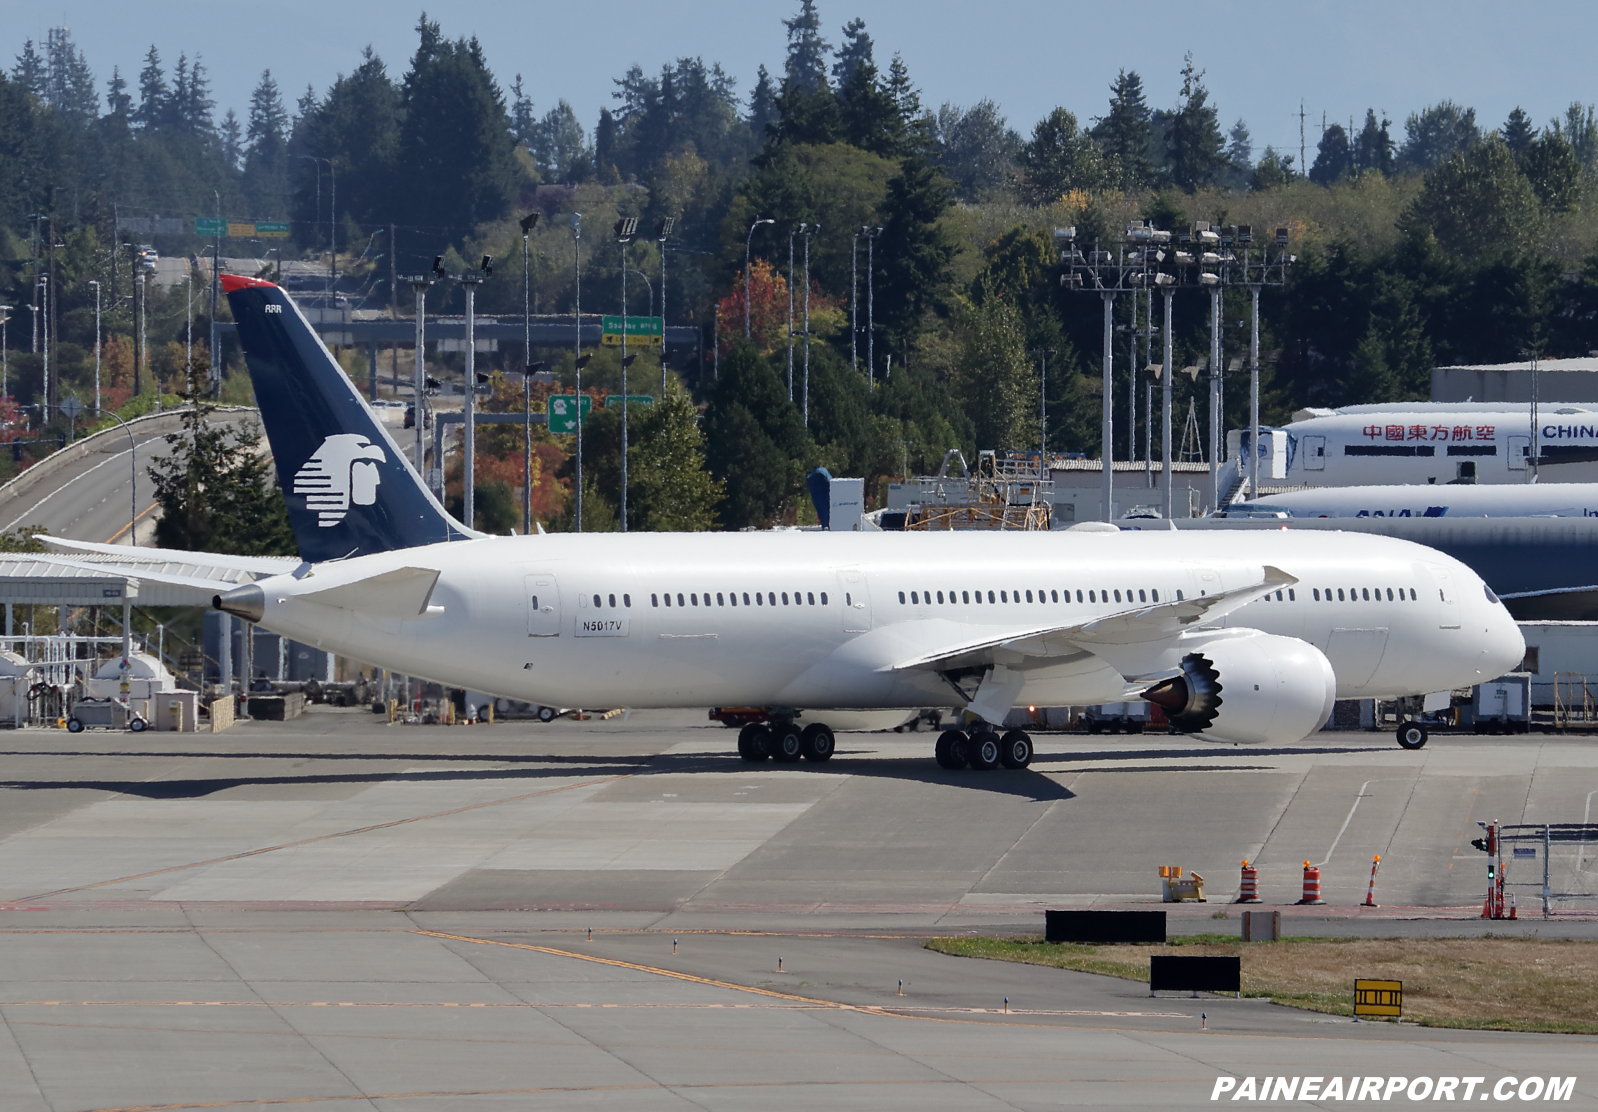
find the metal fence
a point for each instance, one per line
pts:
(1556, 860)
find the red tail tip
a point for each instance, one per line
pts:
(231, 282)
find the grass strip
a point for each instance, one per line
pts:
(1488, 983)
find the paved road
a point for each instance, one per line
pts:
(338, 911)
(89, 495)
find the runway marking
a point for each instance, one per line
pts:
(657, 1087)
(796, 1004)
(323, 838)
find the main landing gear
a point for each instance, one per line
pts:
(1412, 735)
(785, 742)
(983, 749)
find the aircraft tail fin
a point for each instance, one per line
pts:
(350, 490)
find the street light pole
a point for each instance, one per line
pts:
(750, 238)
(797, 231)
(419, 387)
(1215, 398)
(133, 464)
(854, 299)
(1107, 432)
(1254, 394)
(1043, 402)
(1165, 402)
(5, 366)
(871, 235)
(662, 231)
(44, 284)
(577, 276)
(626, 228)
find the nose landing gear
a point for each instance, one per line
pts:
(1412, 735)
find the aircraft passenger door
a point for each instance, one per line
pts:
(542, 596)
(1314, 449)
(1447, 599)
(855, 595)
(1519, 449)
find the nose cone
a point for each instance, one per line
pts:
(1505, 646)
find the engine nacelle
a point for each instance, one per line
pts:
(1253, 688)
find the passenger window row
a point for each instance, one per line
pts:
(730, 598)
(919, 598)
(1363, 594)
(599, 601)
(1277, 596)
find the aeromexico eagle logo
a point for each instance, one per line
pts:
(341, 474)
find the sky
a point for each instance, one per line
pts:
(1262, 60)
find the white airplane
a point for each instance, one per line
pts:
(1452, 500)
(1240, 638)
(1426, 443)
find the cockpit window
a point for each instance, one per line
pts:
(1492, 598)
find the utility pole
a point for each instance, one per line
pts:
(1043, 402)
(52, 301)
(471, 279)
(44, 282)
(791, 234)
(749, 239)
(871, 303)
(216, 287)
(528, 223)
(813, 231)
(1254, 392)
(1165, 402)
(5, 366)
(854, 298)
(1215, 398)
(1107, 432)
(626, 229)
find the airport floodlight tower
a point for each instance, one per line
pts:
(527, 223)
(663, 229)
(626, 231)
(748, 240)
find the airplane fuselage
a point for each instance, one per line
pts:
(821, 619)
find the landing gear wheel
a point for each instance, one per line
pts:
(74, 726)
(546, 714)
(816, 743)
(950, 750)
(983, 750)
(1412, 735)
(753, 743)
(786, 744)
(1015, 749)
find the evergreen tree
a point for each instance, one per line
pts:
(454, 137)
(870, 119)
(1373, 148)
(117, 101)
(806, 67)
(1334, 158)
(193, 105)
(763, 114)
(1196, 143)
(1518, 132)
(1060, 157)
(357, 125)
(994, 376)
(266, 131)
(216, 492)
(522, 121)
(69, 85)
(606, 137)
(30, 71)
(854, 53)
(1240, 151)
(153, 93)
(914, 252)
(232, 140)
(755, 441)
(1123, 134)
(1273, 172)
(908, 100)
(1435, 134)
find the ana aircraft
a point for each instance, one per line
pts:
(1240, 638)
(1452, 500)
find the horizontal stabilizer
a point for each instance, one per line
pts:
(258, 565)
(401, 593)
(134, 571)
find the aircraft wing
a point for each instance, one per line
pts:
(1132, 627)
(155, 573)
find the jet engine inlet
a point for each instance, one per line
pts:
(247, 602)
(1191, 700)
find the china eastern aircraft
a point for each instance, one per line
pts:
(1238, 637)
(1451, 500)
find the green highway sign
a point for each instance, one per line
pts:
(271, 228)
(641, 331)
(636, 399)
(210, 226)
(563, 412)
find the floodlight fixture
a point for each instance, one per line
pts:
(529, 222)
(628, 361)
(626, 228)
(1155, 369)
(1281, 236)
(534, 367)
(488, 265)
(582, 361)
(1245, 233)
(438, 266)
(1065, 233)
(1164, 279)
(664, 226)
(1209, 280)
